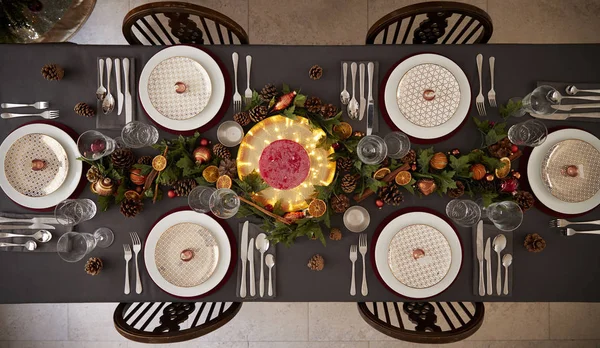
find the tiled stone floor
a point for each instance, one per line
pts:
(325, 325)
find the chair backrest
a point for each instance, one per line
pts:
(420, 323)
(186, 23)
(433, 22)
(164, 322)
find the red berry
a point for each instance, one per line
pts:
(172, 194)
(269, 207)
(204, 142)
(336, 146)
(379, 203)
(514, 149)
(492, 123)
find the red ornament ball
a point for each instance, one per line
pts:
(509, 185)
(204, 142)
(269, 207)
(514, 148)
(172, 194)
(202, 154)
(379, 203)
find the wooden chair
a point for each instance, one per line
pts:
(466, 21)
(418, 321)
(188, 24)
(141, 322)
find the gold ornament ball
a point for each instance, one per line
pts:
(202, 154)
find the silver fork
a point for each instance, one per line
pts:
(571, 232)
(480, 101)
(50, 114)
(237, 97)
(492, 92)
(127, 251)
(353, 258)
(565, 223)
(137, 246)
(248, 92)
(38, 105)
(362, 247)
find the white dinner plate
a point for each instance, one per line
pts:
(382, 248)
(536, 181)
(73, 174)
(217, 82)
(224, 253)
(427, 96)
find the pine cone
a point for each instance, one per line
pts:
(53, 72)
(410, 157)
(147, 160)
(524, 199)
(183, 187)
(268, 92)
(391, 194)
(458, 191)
(328, 110)
(93, 174)
(93, 266)
(221, 151)
(339, 203)
(345, 163)
(316, 263)
(315, 72)
(258, 113)
(534, 243)
(228, 167)
(335, 234)
(243, 118)
(131, 207)
(122, 158)
(349, 182)
(82, 109)
(313, 104)
(501, 148)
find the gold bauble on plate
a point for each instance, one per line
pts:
(104, 187)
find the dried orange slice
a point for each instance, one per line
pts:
(317, 208)
(224, 181)
(343, 130)
(403, 178)
(381, 173)
(132, 195)
(503, 172)
(159, 163)
(211, 174)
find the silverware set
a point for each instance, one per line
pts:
(480, 100)
(485, 254)
(41, 224)
(261, 244)
(104, 95)
(354, 250)
(128, 255)
(237, 97)
(562, 223)
(41, 105)
(357, 105)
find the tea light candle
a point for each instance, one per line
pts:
(356, 219)
(230, 133)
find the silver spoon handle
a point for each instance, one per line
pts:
(261, 283)
(101, 70)
(505, 280)
(270, 282)
(345, 68)
(11, 245)
(589, 90)
(499, 277)
(10, 235)
(595, 97)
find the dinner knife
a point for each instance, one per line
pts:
(251, 265)
(128, 110)
(370, 102)
(586, 116)
(479, 241)
(244, 257)
(363, 101)
(35, 220)
(27, 227)
(488, 261)
(575, 106)
(118, 80)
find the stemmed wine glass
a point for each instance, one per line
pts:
(506, 215)
(73, 246)
(224, 203)
(541, 100)
(94, 145)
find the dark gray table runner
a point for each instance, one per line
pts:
(568, 270)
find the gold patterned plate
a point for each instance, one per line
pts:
(285, 153)
(186, 255)
(572, 153)
(419, 256)
(38, 148)
(185, 72)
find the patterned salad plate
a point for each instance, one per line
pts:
(204, 88)
(47, 187)
(546, 171)
(187, 254)
(427, 96)
(418, 255)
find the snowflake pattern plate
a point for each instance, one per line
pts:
(186, 236)
(423, 272)
(567, 188)
(428, 95)
(18, 161)
(161, 88)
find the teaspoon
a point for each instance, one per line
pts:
(506, 262)
(270, 261)
(29, 245)
(556, 96)
(101, 91)
(499, 244)
(572, 90)
(345, 96)
(42, 236)
(108, 104)
(262, 244)
(353, 105)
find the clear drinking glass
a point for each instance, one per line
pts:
(224, 203)
(464, 212)
(529, 133)
(73, 246)
(70, 212)
(139, 134)
(94, 145)
(397, 144)
(371, 149)
(507, 216)
(199, 198)
(540, 101)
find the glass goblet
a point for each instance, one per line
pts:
(464, 212)
(529, 133)
(506, 216)
(398, 144)
(70, 212)
(371, 149)
(139, 134)
(94, 145)
(224, 203)
(541, 100)
(73, 246)
(199, 199)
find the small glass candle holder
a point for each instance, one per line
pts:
(371, 149)
(230, 133)
(356, 219)
(137, 134)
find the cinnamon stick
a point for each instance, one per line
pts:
(266, 212)
(388, 178)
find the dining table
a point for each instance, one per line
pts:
(566, 270)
